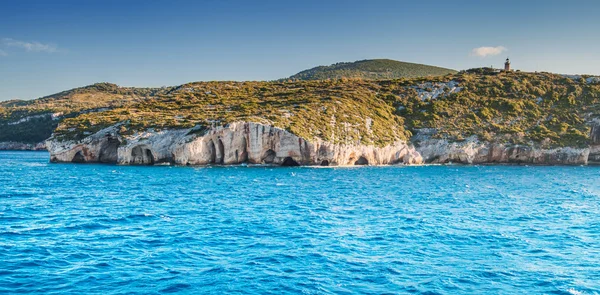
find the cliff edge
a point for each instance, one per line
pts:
(235, 143)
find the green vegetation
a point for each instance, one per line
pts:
(337, 111)
(371, 69)
(506, 107)
(36, 115)
(34, 130)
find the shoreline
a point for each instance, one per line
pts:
(330, 167)
(317, 166)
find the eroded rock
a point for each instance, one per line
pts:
(236, 143)
(472, 151)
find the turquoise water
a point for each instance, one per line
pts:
(85, 229)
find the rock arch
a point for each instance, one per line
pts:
(324, 163)
(78, 158)
(268, 157)
(141, 156)
(289, 162)
(362, 161)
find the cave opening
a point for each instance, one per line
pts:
(221, 158)
(78, 158)
(268, 157)
(212, 152)
(150, 157)
(361, 161)
(141, 156)
(324, 163)
(289, 162)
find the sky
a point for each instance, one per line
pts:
(50, 46)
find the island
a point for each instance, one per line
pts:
(385, 117)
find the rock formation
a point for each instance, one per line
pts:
(471, 151)
(254, 143)
(236, 143)
(594, 155)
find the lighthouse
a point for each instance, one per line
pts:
(507, 65)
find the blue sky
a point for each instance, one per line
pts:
(50, 46)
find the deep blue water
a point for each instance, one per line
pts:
(86, 229)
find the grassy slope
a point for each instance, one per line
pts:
(513, 107)
(69, 103)
(336, 111)
(371, 69)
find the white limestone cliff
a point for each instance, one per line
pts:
(472, 151)
(254, 143)
(236, 143)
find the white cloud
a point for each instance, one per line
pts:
(33, 46)
(488, 51)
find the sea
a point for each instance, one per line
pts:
(108, 229)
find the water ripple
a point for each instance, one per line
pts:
(73, 229)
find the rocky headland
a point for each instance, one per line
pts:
(255, 143)
(479, 116)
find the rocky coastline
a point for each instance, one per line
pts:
(472, 151)
(254, 143)
(235, 143)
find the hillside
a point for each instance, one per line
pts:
(32, 121)
(371, 69)
(542, 109)
(333, 111)
(514, 107)
(508, 107)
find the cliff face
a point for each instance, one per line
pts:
(594, 156)
(473, 151)
(236, 143)
(254, 143)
